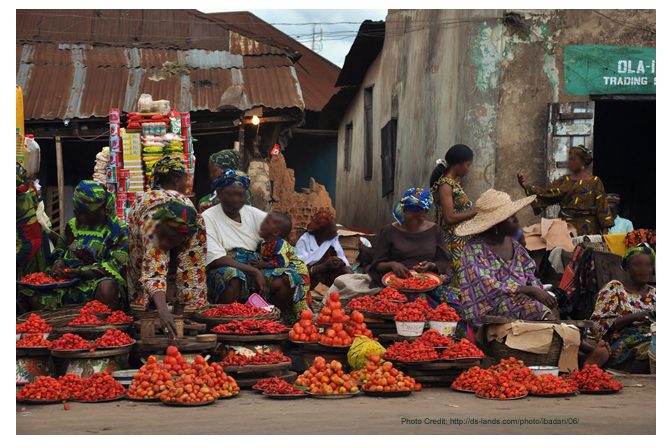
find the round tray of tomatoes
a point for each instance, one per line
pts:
(565, 394)
(418, 282)
(41, 280)
(464, 391)
(599, 392)
(501, 399)
(106, 400)
(333, 396)
(284, 396)
(112, 347)
(391, 394)
(187, 405)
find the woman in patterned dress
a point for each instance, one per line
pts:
(580, 195)
(93, 248)
(623, 312)
(497, 276)
(453, 205)
(167, 244)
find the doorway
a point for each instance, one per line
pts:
(625, 156)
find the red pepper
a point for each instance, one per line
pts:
(251, 326)
(257, 359)
(234, 309)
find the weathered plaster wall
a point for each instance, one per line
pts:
(427, 78)
(532, 76)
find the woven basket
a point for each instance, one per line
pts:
(56, 318)
(499, 351)
(652, 362)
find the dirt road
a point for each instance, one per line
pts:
(434, 411)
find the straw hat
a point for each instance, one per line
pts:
(493, 207)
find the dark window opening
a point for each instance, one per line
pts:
(368, 133)
(347, 148)
(625, 156)
(388, 155)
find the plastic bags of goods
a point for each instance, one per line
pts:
(173, 145)
(31, 155)
(360, 351)
(101, 165)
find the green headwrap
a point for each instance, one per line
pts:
(639, 249)
(164, 166)
(177, 215)
(91, 196)
(227, 159)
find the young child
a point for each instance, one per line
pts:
(278, 257)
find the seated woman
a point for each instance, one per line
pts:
(233, 235)
(167, 244)
(412, 242)
(497, 275)
(624, 310)
(320, 249)
(94, 249)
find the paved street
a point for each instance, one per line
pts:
(630, 412)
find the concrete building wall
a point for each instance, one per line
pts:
(472, 77)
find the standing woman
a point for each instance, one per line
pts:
(580, 195)
(227, 159)
(453, 205)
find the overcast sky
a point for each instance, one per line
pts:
(337, 37)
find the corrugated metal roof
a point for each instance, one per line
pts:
(316, 74)
(83, 76)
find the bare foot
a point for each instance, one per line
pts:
(599, 355)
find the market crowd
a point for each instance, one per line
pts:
(175, 257)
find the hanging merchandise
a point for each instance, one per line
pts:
(31, 155)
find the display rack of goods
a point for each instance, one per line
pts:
(71, 385)
(150, 381)
(33, 325)
(113, 338)
(464, 349)
(471, 379)
(392, 295)
(410, 352)
(251, 327)
(371, 304)
(416, 282)
(332, 312)
(594, 380)
(386, 380)
(235, 310)
(548, 385)
(100, 387)
(305, 330)
(33, 340)
(501, 387)
(70, 341)
(327, 379)
(410, 319)
(435, 339)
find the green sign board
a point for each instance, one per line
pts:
(603, 70)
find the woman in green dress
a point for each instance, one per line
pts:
(32, 243)
(94, 249)
(453, 205)
(580, 195)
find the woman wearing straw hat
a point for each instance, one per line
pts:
(497, 275)
(580, 195)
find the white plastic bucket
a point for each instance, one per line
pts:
(446, 328)
(409, 328)
(542, 370)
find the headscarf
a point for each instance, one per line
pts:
(583, 152)
(164, 166)
(414, 199)
(227, 159)
(21, 179)
(177, 215)
(639, 249)
(232, 177)
(321, 219)
(613, 199)
(91, 196)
